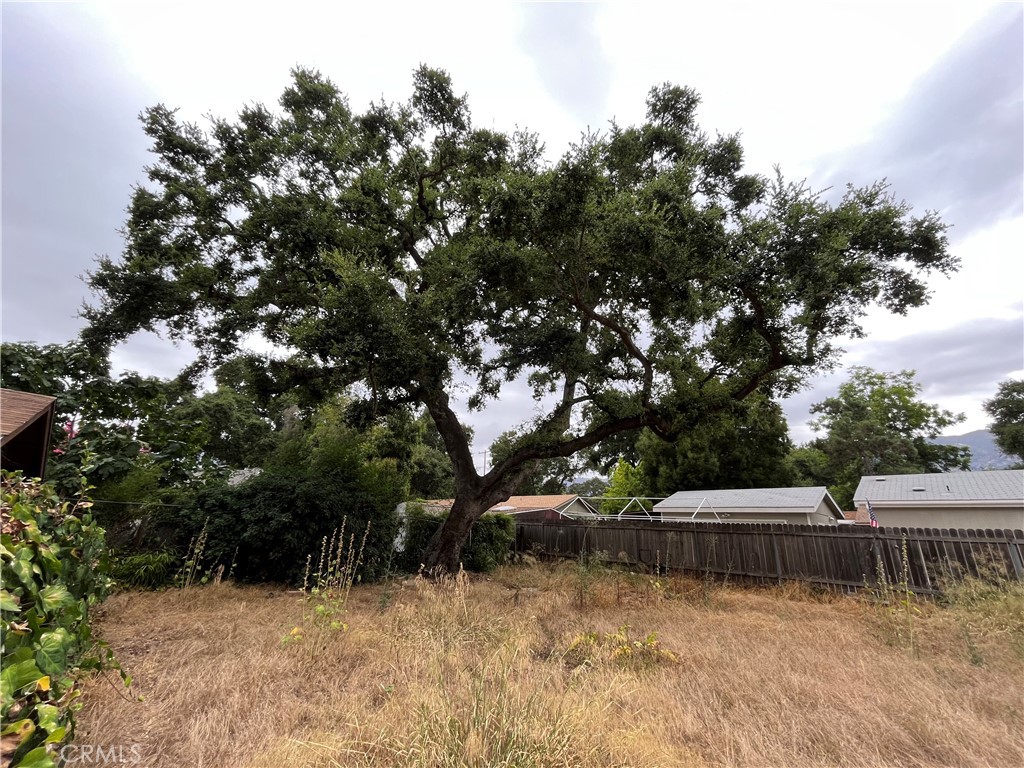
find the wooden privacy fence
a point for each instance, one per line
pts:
(845, 557)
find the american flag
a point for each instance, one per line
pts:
(871, 515)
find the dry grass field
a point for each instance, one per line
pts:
(531, 666)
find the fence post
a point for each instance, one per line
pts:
(778, 556)
(924, 565)
(876, 548)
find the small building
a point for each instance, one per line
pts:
(992, 499)
(537, 508)
(794, 506)
(26, 420)
(528, 508)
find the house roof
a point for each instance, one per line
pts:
(795, 499)
(859, 516)
(516, 503)
(940, 487)
(529, 503)
(19, 409)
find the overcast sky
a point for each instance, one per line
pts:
(927, 95)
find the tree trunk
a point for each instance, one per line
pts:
(445, 549)
(473, 495)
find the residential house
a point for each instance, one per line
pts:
(992, 499)
(795, 506)
(528, 508)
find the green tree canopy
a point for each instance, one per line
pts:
(111, 426)
(1007, 412)
(642, 280)
(876, 425)
(413, 441)
(626, 482)
(103, 422)
(588, 486)
(746, 446)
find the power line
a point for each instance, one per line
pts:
(140, 503)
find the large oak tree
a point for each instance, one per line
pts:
(642, 280)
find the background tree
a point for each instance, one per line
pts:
(625, 482)
(644, 280)
(745, 447)
(1007, 412)
(413, 441)
(588, 486)
(808, 465)
(103, 423)
(545, 477)
(234, 433)
(175, 431)
(876, 425)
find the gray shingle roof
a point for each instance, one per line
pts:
(992, 485)
(773, 498)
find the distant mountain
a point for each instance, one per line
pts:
(984, 453)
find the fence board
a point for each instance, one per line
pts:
(839, 556)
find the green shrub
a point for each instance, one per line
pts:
(490, 542)
(489, 545)
(269, 524)
(53, 569)
(147, 570)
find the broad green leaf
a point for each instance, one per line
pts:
(8, 602)
(20, 728)
(23, 570)
(53, 651)
(49, 717)
(54, 596)
(15, 641)
(37, 758)
(23, 654)
(16, 676)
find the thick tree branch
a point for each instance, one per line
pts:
(560, 448)
(778, 359)
(454, 436)
(627, 341)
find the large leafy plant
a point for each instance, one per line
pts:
(54, 569)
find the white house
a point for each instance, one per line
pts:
(991, 499)
(796, 506)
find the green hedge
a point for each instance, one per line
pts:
(490, 540)
(268, 525)
(54, 568)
